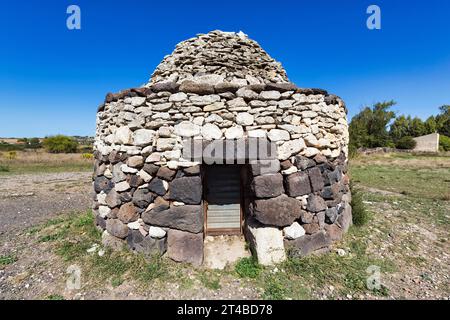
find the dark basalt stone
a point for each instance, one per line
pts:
(146, 245)
(117, 228)
(189, 86)
(282, 87)
(157, 186)
(139, 91)
(192, 171)
(165, 86)
(303, 163)
(306, 217)
(320, 158)
(166, 173)
(151, 169)
(286, 164)
(142, 198)
(126, 196)
(331, 215)
(258, 88)
(335, 176)
(127, 213)
(135, 181)
(331, 192)
(306, 244)
(281, 211)
(297, 184)
(185, 246)
(115, 157)
(316, 203)
(316, 179)
(186, 189)
(103, 184)
(224, 87)
(267, 186)
(264, 167)
(186, 218)
(113, 199)
(99, 221)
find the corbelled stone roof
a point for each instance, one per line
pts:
(217, 57)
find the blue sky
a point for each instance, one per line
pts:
(52, 79)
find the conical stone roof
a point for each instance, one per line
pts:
(219, 57)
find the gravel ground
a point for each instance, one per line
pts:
(29, 199)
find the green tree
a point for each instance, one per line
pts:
(430, 125)
(369, 127)
(60, 144)
(400, 127)
(443, 120)
(417, 128)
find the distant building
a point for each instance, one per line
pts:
(428, 143)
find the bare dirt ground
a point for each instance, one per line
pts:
(29, 199)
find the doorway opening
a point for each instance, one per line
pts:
(223, 199)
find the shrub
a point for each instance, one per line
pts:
(60, 144)
(12, 155)
(444, 143)
(4, 168)
(360, 214)
(406, 142)
(87, 156)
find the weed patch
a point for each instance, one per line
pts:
(248, 268)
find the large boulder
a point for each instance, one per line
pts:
(297, 184)
(186, 189)
(265, 242)
(185, 246)
(187, 218)
(281, 211)
(306, 244)
(267, 186)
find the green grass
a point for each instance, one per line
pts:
(347, 273)
(72, 236)
(416, 210)
(7, 259)
(247, 268)
(45, 168)
(409, 181)
(361, 215)
(210, 279)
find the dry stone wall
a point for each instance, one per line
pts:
(150, 196)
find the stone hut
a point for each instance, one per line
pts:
(220, 142)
